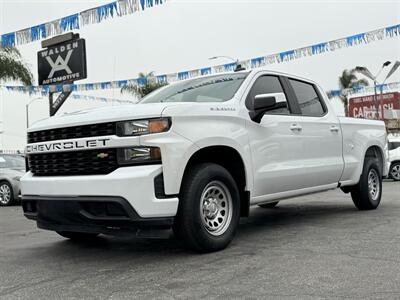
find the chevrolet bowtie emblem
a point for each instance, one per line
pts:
(102, 155)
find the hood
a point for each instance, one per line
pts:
(12, 172)
(102, 115)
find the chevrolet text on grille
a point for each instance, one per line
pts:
(70, 145)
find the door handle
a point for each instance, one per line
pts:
(334, 128)
(296, 127)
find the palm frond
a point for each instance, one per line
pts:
(12, 67)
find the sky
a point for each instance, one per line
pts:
(182, 35)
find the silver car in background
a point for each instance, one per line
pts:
(12, 167)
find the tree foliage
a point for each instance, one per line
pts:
(349, 80)
(12, 67)
(140, 91)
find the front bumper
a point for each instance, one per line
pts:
(88, 214)
(135, 184)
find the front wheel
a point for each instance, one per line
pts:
(367, 193)
(6, 194)
(395, 171)
(209, 209)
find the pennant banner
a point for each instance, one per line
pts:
(133, 5)
(91, 16)
(393, 86)
(101, 99)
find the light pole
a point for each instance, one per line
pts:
(367, 73)
(238, 67)
(27, 109)
(396, 65)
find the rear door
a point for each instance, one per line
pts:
(321, 136)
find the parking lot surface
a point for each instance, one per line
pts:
(318, 246)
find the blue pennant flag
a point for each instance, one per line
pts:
(8, 39)
(392, 30)
(205, 71)
(229, 67)
(70, 22)
(161, 78)
(105, 85)
(143, 3)
(38, 32)
(319, 48)
(105, 11)
(285, 54)
(141, 81)
(122, 83)
(183, 75)
(355, 39)
(256, 62)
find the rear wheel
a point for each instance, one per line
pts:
(77, 236)
(269, 205)
(367, 193)
(395, 171)
(209, 208)
(6, 194)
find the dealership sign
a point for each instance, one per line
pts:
(62, 63)
(365, 107)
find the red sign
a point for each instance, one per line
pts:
(365, 107)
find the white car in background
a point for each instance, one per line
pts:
(394, 158)
(12, 168)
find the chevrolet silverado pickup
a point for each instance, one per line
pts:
(195, 155)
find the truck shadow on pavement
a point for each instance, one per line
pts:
(265, 227)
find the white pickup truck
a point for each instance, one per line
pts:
(195, 155)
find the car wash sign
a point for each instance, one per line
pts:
(366, 107)
(62, 63)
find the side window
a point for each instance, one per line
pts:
(394, 145)
(309, 101)
(266, 85)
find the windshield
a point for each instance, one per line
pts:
(219, 88)
(12, 162)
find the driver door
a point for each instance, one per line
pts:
(275, 142)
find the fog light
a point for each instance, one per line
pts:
(139, 155)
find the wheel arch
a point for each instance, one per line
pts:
(375, 151)
(229, 158)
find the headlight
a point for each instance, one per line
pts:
(139, 155)
(140, 127)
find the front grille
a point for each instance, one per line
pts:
(83, 131)
(88, 162)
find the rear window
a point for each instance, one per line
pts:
(308, 99)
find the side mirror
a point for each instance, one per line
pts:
(266, 102)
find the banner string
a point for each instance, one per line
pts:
(91, 16)
(253, 63)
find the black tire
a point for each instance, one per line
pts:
(360, 193)
(394, 172)
(78, 236)
(6, 194)
(269, 205)
(192, 226)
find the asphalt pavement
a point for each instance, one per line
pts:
(313, 247)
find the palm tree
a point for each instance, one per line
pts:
(349, 80)
(150, 84)
(12, 67)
